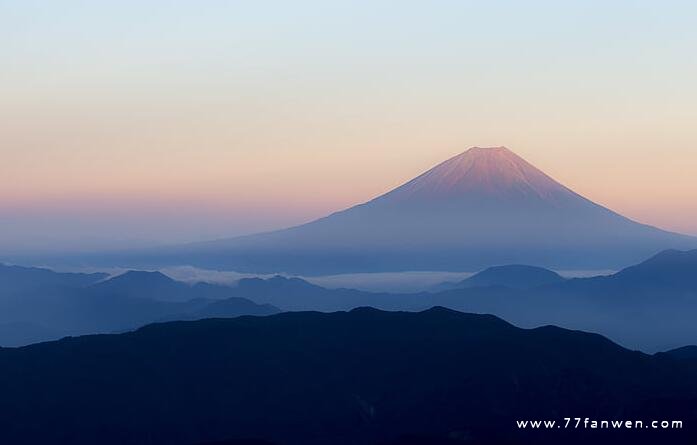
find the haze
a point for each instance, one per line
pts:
(130, 123)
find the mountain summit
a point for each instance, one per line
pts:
(483, 207)
(493, 172)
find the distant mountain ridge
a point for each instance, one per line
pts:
(648, 306)
(517, 276)
(482, 207)
(157, 286)
(22, 279)
(670, 268)
(634, 306)
(39, 304)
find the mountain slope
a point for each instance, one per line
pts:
(671, 272)
(683, 353)
(516, 276)
(364, 376)
(481, 174)
(672, 269)
(485, 206)
(227, 308)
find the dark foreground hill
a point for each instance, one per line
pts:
(359, 377)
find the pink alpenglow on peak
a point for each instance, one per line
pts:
(483, 172)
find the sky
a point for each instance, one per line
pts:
(128, 123)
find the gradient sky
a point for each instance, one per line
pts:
(134, 122)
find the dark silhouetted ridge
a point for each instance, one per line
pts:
(310, 378)
(683, 353)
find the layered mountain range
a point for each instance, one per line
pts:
(38, 304)
(648, 306)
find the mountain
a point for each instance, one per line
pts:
(15, 279)
(649, 306)
(671, 269)
(296, 294)
(671, 272)
(227, 308)
(157, 286)
(39, 305)
(482, 207)
(517, 276)
(364, 376)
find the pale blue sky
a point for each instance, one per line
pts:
(215, 118)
